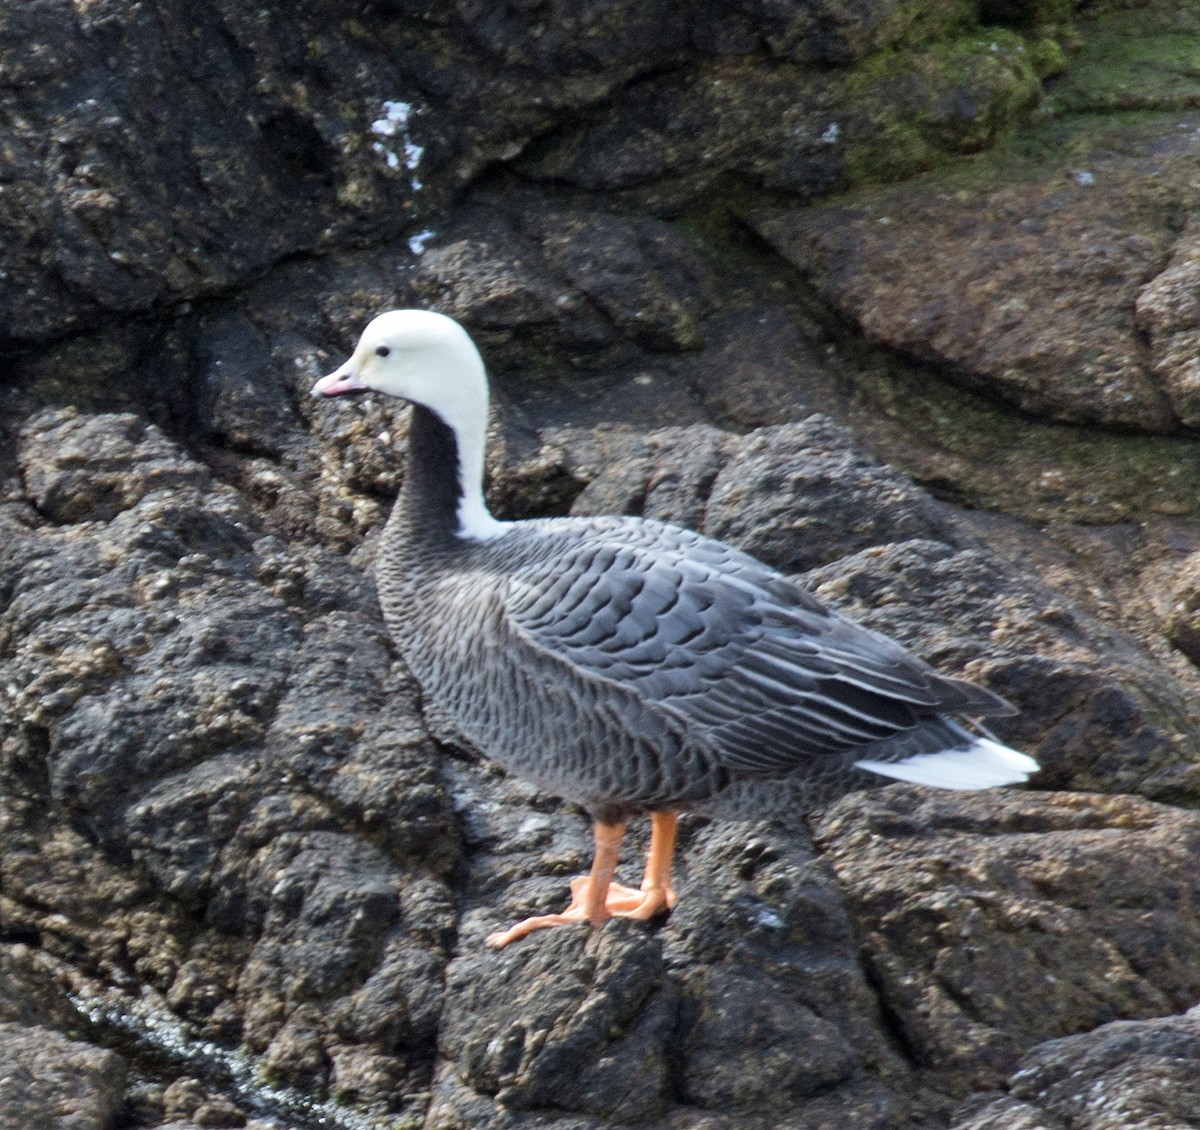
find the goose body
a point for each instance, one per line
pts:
(629, 665)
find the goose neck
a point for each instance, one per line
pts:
(442, 495)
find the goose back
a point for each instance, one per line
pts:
(631, 665)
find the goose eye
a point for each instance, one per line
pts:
(382, 351)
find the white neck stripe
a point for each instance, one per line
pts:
(475, 521)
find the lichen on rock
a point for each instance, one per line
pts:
(959, 405)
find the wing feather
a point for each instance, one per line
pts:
(767, 674)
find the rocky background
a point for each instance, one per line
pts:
(901, 295)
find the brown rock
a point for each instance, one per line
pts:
(76, 467)
(993, 922)
(49, 1082)
(1024, 291)
(1179, 607)
(1168, 313)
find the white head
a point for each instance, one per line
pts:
(419, 356)
(429, 359)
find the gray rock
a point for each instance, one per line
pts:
(488, 272)
(169, 166)
(749, 999)
(748, 1047)
(650, 285)
(211, 715)
(1126, 1073)
(795, 496)
(76, 467)
(662, 143)
(304, 839)
(52, 1083)
(1168, 312)
(229, 141)
(777, 1021)
(1096, 701)
(578, 280)
(582, 1023)
(803, 494)
(244, 405)
(217, 795)
(666, 474)
(764, 364)
(1180, 607)
(993, 922)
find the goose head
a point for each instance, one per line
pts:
(422, 357)
(428, 359)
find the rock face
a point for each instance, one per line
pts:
(1004, 307)
(1146, 1067)
(241, 884)
(1048, 930)
(174, 152)
(50, 1081)
(193, 701)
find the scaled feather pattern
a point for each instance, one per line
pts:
(629, 665)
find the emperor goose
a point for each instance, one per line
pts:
(628, 665)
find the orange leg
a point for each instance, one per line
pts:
(595, 898)
(658, 894)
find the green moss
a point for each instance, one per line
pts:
(915, 109)
(1144, 59)
(918, 107)
(1131, 65)
(1047, 56)
(922, 21)
(973, 450)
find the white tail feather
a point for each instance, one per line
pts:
(981, 765)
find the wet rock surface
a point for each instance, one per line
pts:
(241, 883)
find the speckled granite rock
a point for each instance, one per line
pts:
(993, 922)
(225, 834)
(1126, 1073)
(49, 1082)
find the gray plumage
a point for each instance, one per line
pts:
(632, 666)
(628, 665)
